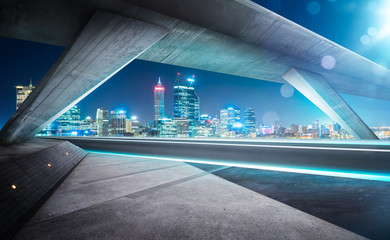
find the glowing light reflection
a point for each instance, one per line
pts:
(302, 170)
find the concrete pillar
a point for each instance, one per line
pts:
(106, 44)
(317, 89)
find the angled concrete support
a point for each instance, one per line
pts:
(107, 44)
(317, 89)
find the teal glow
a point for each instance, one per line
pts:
(322, 172)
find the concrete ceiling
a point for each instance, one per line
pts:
(236, 37)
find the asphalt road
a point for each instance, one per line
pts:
(363, 157)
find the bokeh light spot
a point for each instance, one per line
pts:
(372, 31)
(287, 90)
(328, 62)
(313, 7)
(372, 5)
(365, 39)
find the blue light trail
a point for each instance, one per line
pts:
(291, 169)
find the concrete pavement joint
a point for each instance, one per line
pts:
(115, 164)
(172, 183)
(128, 174)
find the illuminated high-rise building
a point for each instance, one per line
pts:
(118, 122)
(132, 126)
(69, 122)
(250, 120)
(185, 100)
(22, 93)
(223, 116)
(158, 101)
(102, 122)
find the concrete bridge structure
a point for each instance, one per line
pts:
(236, 37)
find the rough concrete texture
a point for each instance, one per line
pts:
(251, 26)
(107, 44)
(120, 197)
(28, 172)
(318, 91)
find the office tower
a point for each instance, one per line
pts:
(316, 124)
(118, 122)
(88, 126)
(250, 120)
(223, 116)
(132, 126)
(182, 127)
(233, 116)
(196, 107)
(22, 93)
(277, 127)
(185, 101)
(102, 122)
(166, 128)
(158, 101)
(294, 129)
(69, 122)
(316, 128)
(237, 115)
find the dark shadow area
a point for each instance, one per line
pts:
(360, 206)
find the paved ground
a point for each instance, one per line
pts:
(119, 197)
(360, 206)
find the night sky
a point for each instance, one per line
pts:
(356, 25)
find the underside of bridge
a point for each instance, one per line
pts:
(238, 37)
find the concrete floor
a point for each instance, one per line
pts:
(123, 197)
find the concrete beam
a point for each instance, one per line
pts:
(107, 44)
(317, 89)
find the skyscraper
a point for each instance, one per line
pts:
(132, 126)
(223, 116)
(102, 122)
(22, 93)
(158, 101)
(185, 101)
(69, 122)
(118, 122)
(250, 120)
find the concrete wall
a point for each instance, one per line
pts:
(33, 179)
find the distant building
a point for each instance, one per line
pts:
(233, 116)
(102, 122)
(277, 127)
(158, 101)
(22, 93)
(185, 101)
(182, 127)
(294, 129)
(223, 116)
(118, 122)
(166, 128)
(250, 120)
(88, 127)
(69, 122)
(132, 126)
